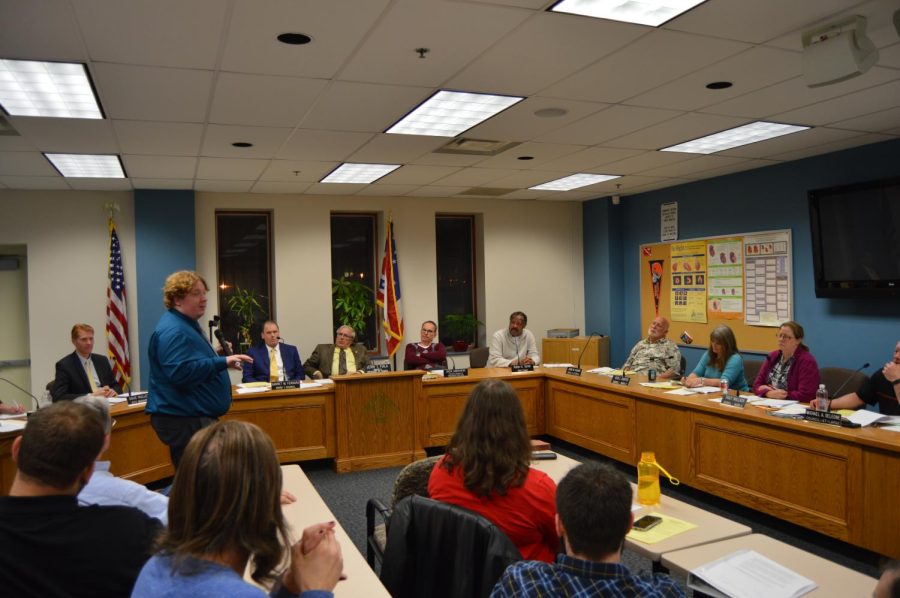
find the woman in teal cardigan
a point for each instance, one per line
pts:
(721, 360)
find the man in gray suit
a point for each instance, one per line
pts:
(339, 358)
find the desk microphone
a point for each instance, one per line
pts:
(221, 338)
(847, 381)
(580, 355)
(516, 342)
(452, 363)
(214, 323)
(33, 398)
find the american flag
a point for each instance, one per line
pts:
(388, 295)
(116, 317)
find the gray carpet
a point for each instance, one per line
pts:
(346, 495)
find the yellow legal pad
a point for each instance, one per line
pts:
(665, 530)
(662, 385)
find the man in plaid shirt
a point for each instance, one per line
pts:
(593, 504)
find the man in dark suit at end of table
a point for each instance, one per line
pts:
(272, 361)
(339, 358)
(83, 372)
(593, 504)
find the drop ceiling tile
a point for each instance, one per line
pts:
(840, 144)
(527, 178)
(890, 56)
(882, 121)
(159, 167)
(545, 49)
(417, 175)
(341, 106)
(16, 143)
(279, 187)
(645, 161)
(222, 186)
(396, 149)
(455, 33)
(67, 135)
(525, 194)
(263, 100)
(608, 124)
(30, 164)
(99, 184)
(334, 188)
(519, 122)
(795, 141)
(298, 171)
(440, 191)
(39, 30)
(732, 168)
(677, 130)
(313, 145)
(590, 159)
(34, 182)
(459, 160)
(687, 168)
(160, 138)
(658, 57)
(168, 184)
(160, 33)
(859, 103)
(233, 169)
(541, 152)
(384, 190)
(266, 141)
(336, 30)
(153, 93)
(748, 71)
(475, 177)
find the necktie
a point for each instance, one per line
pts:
(90, 375)
(273, 366)
(342, 362)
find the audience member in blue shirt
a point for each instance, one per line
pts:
(721, 360)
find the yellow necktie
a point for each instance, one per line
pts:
(90, 375)
(273, 366)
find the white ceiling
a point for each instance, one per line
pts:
(180, 81)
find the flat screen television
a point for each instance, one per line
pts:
(856, 239)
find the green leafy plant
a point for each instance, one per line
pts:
(462, 328)
(353, 302)
(246, 304)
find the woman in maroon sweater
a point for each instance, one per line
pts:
(791, 372)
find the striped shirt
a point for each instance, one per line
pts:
(576, 578)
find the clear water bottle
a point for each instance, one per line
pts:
(822, 399)
(648, 479)
(723, 386)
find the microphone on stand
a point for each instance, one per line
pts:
(33, 398)
(226, 349)
(452, 363)
(837, 393)
(580, 355)
(214, 323)
(516, 342)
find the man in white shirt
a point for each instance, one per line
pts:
(513, 345)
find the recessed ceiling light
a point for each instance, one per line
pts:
(359, 173)
(89, 166)
(574, 181)
(449, 113)
(294, 39)
(241, 144)
(551, 112)
(719, 85)
(743, 135)
(645, 12)
(55, 89)
(525, 158)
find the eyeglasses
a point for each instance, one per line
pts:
(344, 335)
(428, 331)
(784, 337)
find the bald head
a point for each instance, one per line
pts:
(659, 327)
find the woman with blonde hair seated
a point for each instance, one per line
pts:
(224, 510)
(487, 469)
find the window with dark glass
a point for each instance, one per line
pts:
(244, 283)
(353, 257)
(456, 283)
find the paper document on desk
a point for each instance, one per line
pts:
(777, 403)
(560, 365)
(252, 390)
(748, 574)
(682, 392)
(11, 425)
(114, 400)
(310, 384)
(661, 385)
(608, 371)
(12, 415)
(705, 390)
(666, 529)
(791, 411)
(864, 417)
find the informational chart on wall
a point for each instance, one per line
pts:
(743, 280)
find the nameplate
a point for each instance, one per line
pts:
(285, 384)
(573, 371)
(378, 368)
(623, 380)
(734, 400)
(138, 397)
(456, 373)
(523, 368)
(823, 417)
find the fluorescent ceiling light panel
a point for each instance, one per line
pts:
(89, 166)
(643, 12)
(449, 113)
(359, 173)
(57, 89)
(574, 181)
(744, 135)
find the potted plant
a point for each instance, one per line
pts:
(353, 303)
(462, 328)
(245, 304)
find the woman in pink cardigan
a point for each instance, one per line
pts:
(791, 372)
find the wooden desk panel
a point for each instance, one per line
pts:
(600, 420)
(135, 451)
(880, 525)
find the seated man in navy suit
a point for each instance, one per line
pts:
(83, 372)
(273, 361)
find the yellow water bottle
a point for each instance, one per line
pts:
(648, 479)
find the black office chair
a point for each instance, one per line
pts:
(478, 358)
(683, 367)
(751, 369)
(842, 379)
(440, 550)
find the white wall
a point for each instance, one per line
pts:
(67, 240)
(533, 258)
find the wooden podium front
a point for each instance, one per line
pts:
(376, 420)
